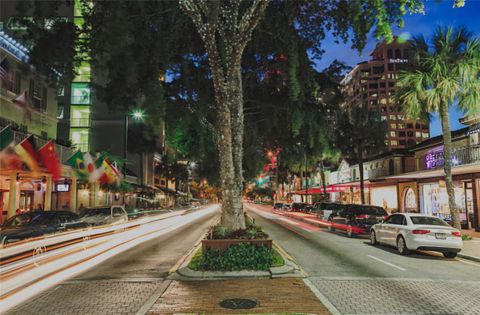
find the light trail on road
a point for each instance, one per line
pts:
(19, 286)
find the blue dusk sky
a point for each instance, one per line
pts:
(436, 13)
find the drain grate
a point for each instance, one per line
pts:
(238, 304)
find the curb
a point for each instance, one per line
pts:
(323, 299)
(469, 257)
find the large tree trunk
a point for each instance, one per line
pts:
(225, 40)
(322, 176)
(447, 165)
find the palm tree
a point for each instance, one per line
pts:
(443, 71)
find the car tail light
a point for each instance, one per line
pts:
(420, 231)
(363, 216)
(456, 233)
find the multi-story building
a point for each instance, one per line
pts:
(372, 83)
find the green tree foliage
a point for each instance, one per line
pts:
(445, 70)
(360, 133)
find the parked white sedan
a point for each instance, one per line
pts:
(414, 231)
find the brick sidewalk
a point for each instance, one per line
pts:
(284, 295)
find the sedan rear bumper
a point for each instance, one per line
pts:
(439, 249)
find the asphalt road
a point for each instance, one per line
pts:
(357, 278)
(123, 283)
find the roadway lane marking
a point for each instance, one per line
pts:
(387, 263)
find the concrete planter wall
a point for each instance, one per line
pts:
(223, 244)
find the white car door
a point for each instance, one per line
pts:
(381, 230)
(391, 230)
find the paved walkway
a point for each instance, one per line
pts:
(471, 249)
(284, 295)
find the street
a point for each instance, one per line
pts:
(123, 283)
(358, 278)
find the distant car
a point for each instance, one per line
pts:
(325, 209)
(104, 215)
(286, 207)
(277, 206)
(38, 223)
(413, 231)
(356, 219)
(298, 206)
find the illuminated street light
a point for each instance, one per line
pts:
(138, 114)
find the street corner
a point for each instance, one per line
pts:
(262, 296)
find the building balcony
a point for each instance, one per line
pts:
(63, 152)
(377, 173)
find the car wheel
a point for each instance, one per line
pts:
(449, 254)
(330, 227)
(402, 246)
(350, 231)
(373, 238)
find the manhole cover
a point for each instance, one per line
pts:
(238, 304)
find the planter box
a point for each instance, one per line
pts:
(223, 244)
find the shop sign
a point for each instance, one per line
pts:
(398, 60)
(434, 159)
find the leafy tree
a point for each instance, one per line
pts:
(360, 133)
(444, 70)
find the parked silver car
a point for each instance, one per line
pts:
(104, 215)
(413, 231)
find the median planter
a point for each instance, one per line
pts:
(223, 244)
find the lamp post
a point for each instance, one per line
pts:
(305, 172)
(138, 115)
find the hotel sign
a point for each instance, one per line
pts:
(398, 60)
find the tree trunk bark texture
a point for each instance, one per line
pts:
(447, 165)
(360, 169)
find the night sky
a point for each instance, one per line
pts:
(436, 13)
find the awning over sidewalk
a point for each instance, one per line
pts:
(319, 190)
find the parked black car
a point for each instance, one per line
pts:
(356, 219)
(278, 206)
(326, 209)
(298, 206)
(38, 223)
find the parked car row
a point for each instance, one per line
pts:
(405, 231)
(39, 223)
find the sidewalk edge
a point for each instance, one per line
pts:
(154, 297)
(330, 307)
(469, 257)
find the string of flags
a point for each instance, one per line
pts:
(87, 168)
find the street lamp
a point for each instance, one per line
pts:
(138, 115)
(305, 173)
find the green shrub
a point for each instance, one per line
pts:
(277, 259)
(237, 257)
(466, 237)
(220, 232)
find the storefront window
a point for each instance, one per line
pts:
(434, 200)
(410, 200)
(385, 197)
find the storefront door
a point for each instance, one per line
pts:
(26, 200)
(469, 205)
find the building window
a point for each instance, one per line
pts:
(393, 142)
(401, 134)
(410, 126)
(389, 53)
(418, 134)
(393, 126)
(409, 133)
(392, 117)
(391, 84)
(425, 135)
(401, 126)
(400, 117)
(383, 118)
(390, 67)
(392, 134)
(417, 126)
(382, 85)
(402, 142)
(80, 94)
(398, 53)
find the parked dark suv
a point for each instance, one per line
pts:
(298, 206)
(326, 209)
(356, 219)
(38, 223)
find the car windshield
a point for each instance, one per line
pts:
(428, 221)
(95, 212)
(26, 219)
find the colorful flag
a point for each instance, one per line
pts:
(92, 171)
(27, 151)
(77, 162)
(6, 137)
(110, 173)
(49, 159)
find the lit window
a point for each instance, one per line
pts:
(392, 134)
(401, 126)
(400, 117)
(418, 134)
(425, 135)
(393, 126)
(394, 142)
(80, 93)
(392, 117)
(383, 118)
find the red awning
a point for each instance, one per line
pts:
(319, 190)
